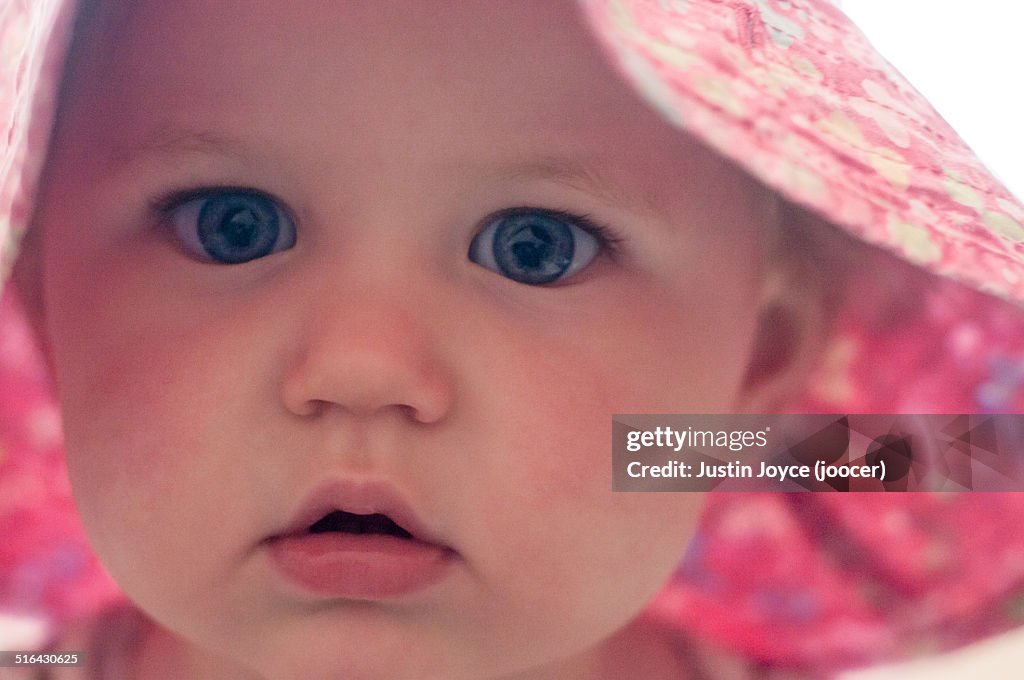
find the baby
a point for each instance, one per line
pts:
(340, 298)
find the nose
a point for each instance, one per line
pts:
(364, 354)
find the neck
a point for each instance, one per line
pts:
(642, 649)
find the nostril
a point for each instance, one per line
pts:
(341, 370)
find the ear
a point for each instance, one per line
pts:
(790, 335)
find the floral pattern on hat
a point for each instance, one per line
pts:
(793, 92)
(33, 40)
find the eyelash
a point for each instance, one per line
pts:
(608, 238)
(163, 206)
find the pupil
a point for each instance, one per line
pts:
(533, 247)
(240, 228)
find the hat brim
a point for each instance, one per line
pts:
(795, 94)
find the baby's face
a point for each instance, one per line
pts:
(389, 258)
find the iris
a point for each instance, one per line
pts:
(231, 226)
(534, 246)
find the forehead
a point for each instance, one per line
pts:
(421, 64)
(391, 86)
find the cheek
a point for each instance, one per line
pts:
(150, 403)
(551, 425)
(134, 449)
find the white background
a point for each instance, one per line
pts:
(967, 58)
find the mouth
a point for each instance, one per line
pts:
(359, 542)
(339, 521)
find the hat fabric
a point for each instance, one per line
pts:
(33, 40)
(792, 92)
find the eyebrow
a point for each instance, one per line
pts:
(171, 140)
(586, 177)
(573, 172)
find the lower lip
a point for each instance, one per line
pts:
(360, 566)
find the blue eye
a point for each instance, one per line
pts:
(230, 226)
(535, 246)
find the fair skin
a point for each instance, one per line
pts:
(203, 401)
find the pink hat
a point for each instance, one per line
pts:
(793, 93)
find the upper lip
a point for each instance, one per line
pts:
(359, 498)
